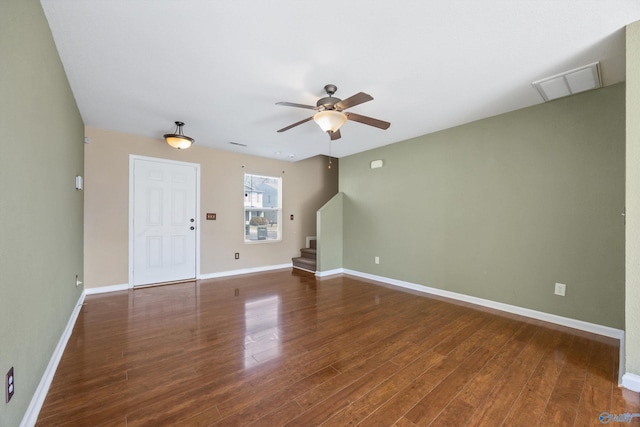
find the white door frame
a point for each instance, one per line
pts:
(132, 159)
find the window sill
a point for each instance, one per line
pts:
(259, 242)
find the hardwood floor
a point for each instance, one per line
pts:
(285, 348)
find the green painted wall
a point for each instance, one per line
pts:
(40, 210)
(633, 200)
(502, 208)
(330, 230)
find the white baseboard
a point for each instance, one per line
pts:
(631, 381)
(105, 289)
(244, 271)
(31, 415)
(534, 314)
(329, 272)
(622, 360)
(125, 286)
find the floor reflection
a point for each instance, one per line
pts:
(262, 330)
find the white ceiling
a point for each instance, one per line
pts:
(136, 66)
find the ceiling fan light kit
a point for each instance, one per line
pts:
(330, 120)
(178, 139)
(329, 114)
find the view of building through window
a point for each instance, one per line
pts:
(262, 207)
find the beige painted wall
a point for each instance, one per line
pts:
(40, 209)
(307, 185)
(633, 200)
(502, 208)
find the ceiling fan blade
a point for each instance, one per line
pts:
(292, 104)
(356, 99)
(368, 120)
(295, 124)
(334, 135)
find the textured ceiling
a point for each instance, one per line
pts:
(136, 66)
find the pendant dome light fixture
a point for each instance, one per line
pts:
(178, 139)
(330, 120)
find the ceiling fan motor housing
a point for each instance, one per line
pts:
(327, 103)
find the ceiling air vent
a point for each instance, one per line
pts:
(570, 82)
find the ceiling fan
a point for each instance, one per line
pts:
(330, 115)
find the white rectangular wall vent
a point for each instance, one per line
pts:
(570, 82)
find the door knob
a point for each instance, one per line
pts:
(192, 228)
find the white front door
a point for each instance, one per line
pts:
(164, 221)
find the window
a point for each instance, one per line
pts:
(262, 208)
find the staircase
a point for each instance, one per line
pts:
(307, 260)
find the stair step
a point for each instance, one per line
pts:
(307, 261)
(304, 263)
(308, 253)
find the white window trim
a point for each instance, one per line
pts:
(277, 209)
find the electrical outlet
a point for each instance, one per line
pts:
(561, 289)
(237, 255)
(376, 260)
(10, 384)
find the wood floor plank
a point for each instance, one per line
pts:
(337, 401)
(276, 348)
(346, 378)
(363, 407)
(82, 405)
(263, 401)
(425, 411)
(598, 388)
(534, 396)
(409, 396)
(457, 413)
(204, 418)
(569, 386)
(403, 422)
(507, 348)
(280, 416)
(499, 402)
